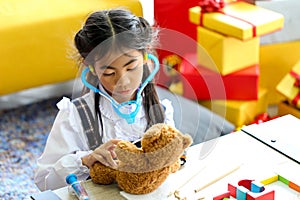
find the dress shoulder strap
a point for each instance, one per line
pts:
(89, 123)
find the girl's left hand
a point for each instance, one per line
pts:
(104, 153)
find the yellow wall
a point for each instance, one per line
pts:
(36, 38)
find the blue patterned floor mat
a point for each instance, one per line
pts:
(23, 134)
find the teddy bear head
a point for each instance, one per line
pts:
(161, 146)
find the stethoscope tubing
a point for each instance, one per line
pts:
(128, 116)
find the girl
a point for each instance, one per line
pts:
(119, 103)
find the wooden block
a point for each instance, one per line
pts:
(267, 194)
(284, 180)
(232, 190)
(270, 180)
(294, 186)
(257, 186)
(222, 196)
(243, 190)
(241, 193)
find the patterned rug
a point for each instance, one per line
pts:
(23, 134)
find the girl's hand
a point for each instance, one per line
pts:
(104, 153)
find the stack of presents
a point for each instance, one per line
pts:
(223, 73)
(289, 88)
(279, 51)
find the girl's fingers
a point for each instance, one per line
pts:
(100, 158)
(115, 141)
(113, 154)
(108, 158)
(105, 153)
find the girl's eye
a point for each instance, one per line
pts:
(108, 74)
(132, 68)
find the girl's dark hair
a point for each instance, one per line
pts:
(119, 30)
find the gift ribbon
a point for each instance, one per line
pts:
(211, 5)
(296, 84)
(297, 77)
(217, 6)
(296, 99)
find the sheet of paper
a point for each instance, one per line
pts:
(282, 134)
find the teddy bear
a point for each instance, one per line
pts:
(142, 170)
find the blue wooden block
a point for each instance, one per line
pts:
(241, 193)
(257, 187)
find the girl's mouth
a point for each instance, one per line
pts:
(123, 92)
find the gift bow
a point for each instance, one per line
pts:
(211, 5)
(217, 6)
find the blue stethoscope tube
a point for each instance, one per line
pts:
(130, 117)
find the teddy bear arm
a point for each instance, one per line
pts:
(101, 174)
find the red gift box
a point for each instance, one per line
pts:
(204, 84)
(172, 17)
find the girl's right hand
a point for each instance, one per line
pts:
(104, 153)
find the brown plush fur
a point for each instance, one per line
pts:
(142, 170)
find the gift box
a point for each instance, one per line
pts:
(204, 84)
(225, 54)
(289, 86)
(172, 17)
(290, 11)
(276, 60)
(284, 108)
(239, 112)
(238, 19)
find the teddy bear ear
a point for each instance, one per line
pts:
(187, 141)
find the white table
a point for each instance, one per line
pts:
(238, 153)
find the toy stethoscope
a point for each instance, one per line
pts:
(129, 116)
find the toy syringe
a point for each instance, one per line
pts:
(76, 187)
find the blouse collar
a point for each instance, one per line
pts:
(108, 111)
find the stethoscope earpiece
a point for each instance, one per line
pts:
(129, 117)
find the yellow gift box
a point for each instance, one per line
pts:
(276, 60)
(238, 19)
(239, 112)
(36, 39)
(225, 54)
(289, 86)
(284, 108)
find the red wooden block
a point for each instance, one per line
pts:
(265, 194)
(222, 196)
(232, 190)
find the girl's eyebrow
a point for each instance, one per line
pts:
(110, 67)
(105, 67)
(130, 61)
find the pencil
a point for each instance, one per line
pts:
(190, 178)
(217, 179)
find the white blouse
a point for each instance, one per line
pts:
(67, 142)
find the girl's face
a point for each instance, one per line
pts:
(122, 75)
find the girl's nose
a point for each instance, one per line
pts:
(123, 80)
